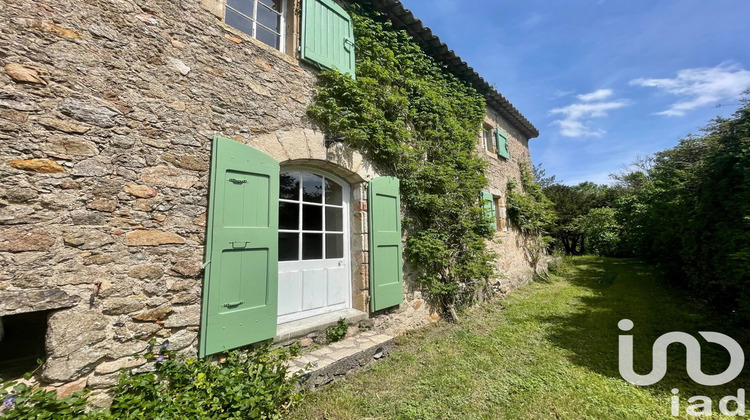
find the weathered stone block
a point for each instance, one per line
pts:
(73, 146)
(99, 116)
(87, 238)
(103, 204)
(168, 177)
(95, 167)
(147, 272)
(69, 127)
(152, 238)
(140, 191)
(184, 316)
(116, 365)
(22, 74)
(42, 166)
(121, 306)
(187, 268)
(153, 315)
(71, 330)
(20, 239)
(23, 301)
(20, 195)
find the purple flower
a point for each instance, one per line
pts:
(165, 344)
(160, 358)
(9, 400)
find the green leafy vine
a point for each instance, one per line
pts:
(531, 211)
(416, 121)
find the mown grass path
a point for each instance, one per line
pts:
(547, 351)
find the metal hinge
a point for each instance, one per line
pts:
(237, 181)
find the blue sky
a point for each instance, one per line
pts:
(604, 81)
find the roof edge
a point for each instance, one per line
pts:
(403, 18)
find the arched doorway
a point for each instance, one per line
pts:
(314, 255)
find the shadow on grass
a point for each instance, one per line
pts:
(618, 289)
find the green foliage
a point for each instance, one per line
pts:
(243, 385)
(572, 204)
(601, 231)
(338, 331)
(417, 122)
(690, 210)
(25, 402)
(529, 208)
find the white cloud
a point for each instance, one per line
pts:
(576, 117)
(701, 86)
(597, 95)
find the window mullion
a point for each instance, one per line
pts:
(255, 19)
(301, 206)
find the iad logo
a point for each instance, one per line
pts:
(693, 357)
(693, 367)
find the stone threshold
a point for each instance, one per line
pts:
(336, 360)
(290, 331)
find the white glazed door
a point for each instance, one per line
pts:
(313, 245)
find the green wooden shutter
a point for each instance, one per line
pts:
(386, 280)
(327, 35)
(502, 143)
(488, 204)
(240, 286)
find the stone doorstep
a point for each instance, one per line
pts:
(338, 359)
(290, 331)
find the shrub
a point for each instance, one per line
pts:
(245, 384)
(338, 331)
(251, 384)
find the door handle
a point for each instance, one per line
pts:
(232, 305)
(239, 244)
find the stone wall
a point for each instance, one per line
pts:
(515, 262)
(107, 111)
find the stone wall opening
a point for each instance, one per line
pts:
(22, 343)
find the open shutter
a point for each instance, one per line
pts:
(240, 286)
(502, 143)
(386, 280)
(488, 204)
(327, 35)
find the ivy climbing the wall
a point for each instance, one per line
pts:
(531, 211)
(417, 122)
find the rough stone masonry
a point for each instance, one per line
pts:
(107, 110)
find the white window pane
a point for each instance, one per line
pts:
(334, 246)
(334, 219)
(243, 6)
(267, 37)
(288, 216)
(312, 188)
(288, 246)
(312, 246)
(236, 21)
(269, 18)
(289, 186)
(333, 193)
(312, 217)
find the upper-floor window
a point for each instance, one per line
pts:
(488, 141)
(261, 19)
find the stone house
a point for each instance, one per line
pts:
(159, 178)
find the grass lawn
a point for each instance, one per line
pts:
(547, 351)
